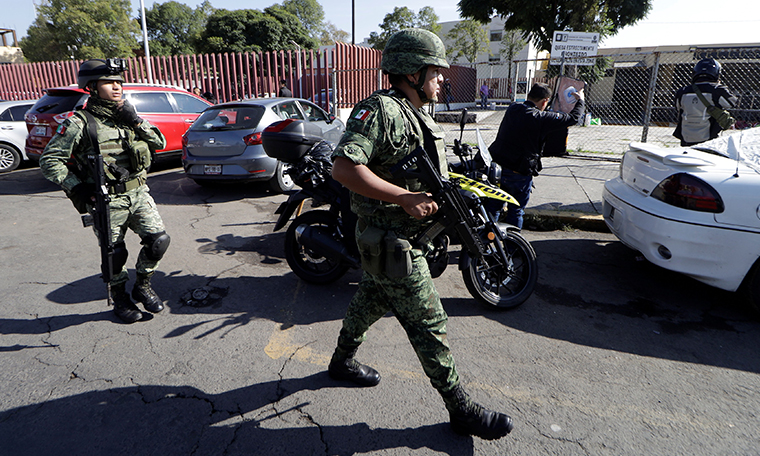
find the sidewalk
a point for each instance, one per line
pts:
(569, 192)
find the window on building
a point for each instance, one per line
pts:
(496, 36)
(494, 58)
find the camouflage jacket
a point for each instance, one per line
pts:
(381, 131)
(119, 144)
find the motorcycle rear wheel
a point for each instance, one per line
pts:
(504, 287)
(307, 264)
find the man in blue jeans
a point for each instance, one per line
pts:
(520, 142)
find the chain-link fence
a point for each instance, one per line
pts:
(630, 97)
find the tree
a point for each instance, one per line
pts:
(250, 30)
(174, 28)
(402, 18)
(332, 34)
(511, 44)
(538, 19)
(309, 12)
(469, 38)
(81, 29)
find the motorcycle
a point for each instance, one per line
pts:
(498, 265)
(320, 245)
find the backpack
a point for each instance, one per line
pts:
(721, 116)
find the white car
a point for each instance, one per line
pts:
(13, 133)
(693, 210)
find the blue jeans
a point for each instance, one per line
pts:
(519, 187)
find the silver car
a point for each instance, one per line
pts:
(13, 133)
(224, 143)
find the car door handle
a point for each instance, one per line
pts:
(189, 120)
(6, 127)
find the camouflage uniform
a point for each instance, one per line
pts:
(381, 131)
(133, 208)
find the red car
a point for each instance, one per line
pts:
(171, 109)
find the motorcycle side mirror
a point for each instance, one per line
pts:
(462, 121)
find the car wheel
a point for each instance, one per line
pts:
(281, 182)
(10, 158)
(750, 290)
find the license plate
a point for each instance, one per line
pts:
(212, 169)
(40, 131)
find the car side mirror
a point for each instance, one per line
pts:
(331, 118)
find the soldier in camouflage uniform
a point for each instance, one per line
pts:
(382, 130)
(126, 142)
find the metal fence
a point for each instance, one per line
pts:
(223, 77)
(634, 98)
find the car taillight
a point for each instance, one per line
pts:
(252, 139)
(63, 116)
(279, 126)
(688, 192)
(184, 146)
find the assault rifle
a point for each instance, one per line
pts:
(453, 215)
(100, 218)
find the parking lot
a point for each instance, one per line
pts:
(610, 356)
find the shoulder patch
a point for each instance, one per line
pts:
(362, 114)
(61, 130)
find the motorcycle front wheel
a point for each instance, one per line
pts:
(307, 264)
(505, 286)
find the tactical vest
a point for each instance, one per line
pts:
(126, 157)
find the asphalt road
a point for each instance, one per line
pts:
(610, 356)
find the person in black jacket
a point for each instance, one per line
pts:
(695, 125)
(520, 142)
(284, 91)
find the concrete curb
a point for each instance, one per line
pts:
(554, 219)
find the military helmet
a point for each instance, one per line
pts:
(410, 50)
(100, 70)
(707, 69)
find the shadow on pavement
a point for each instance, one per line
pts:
(182, 420)
(628, 305)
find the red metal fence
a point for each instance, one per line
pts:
(352, 72)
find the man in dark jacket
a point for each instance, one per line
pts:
(284, 91)
(695, 124)
(520, 142)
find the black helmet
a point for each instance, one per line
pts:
(706, 69)
(100, 70)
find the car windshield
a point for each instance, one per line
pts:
(229, 118)
(57, 104)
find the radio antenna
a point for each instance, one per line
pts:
(732, 144)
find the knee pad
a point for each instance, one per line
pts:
(155, 245)
(120, 255)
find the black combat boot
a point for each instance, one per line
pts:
(470, 418)
(123, 307)
(348, 368)
(142, 292)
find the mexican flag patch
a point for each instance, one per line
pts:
(362, 115)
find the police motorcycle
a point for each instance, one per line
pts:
(498, 265)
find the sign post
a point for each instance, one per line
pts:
(574, 48)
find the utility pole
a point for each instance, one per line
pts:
(145, 42)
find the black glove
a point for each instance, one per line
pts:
(82, 195)
(84, 191)
(126, 114)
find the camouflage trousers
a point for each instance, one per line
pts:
(137, 211)
(416, 304)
